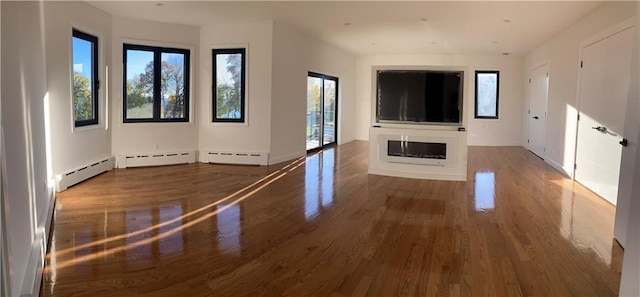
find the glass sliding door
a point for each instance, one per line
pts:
(314, 107)
(329, 121)
(322, 110)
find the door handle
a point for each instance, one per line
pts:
(624, 142)
(600, 129)
(536, 117)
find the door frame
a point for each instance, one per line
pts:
(335, 128)
(5, 251)
(621, 26)
(546, 107)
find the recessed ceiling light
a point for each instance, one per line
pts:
(505, 54)
(347, 24)
(506, 21)
(495, 42)
(433, 42)
(373, 43)
(424, 19)
(159, 4)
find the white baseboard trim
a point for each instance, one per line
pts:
(499, 143)
(566, 171)
(234, 157)
(346, 141)
(155, 159)
(439, 176)
(35, 264)
(35, 267)
(287, 157)
(72, 177)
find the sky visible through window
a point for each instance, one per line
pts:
(223, 75)
(82, 57)
(137, 61)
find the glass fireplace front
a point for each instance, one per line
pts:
(412, 149)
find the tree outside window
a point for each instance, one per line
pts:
(156, 84)
(85, 82)
(229, 85)
(487, 90)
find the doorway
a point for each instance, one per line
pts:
(538, 97)
(604, 83)
(322, 111)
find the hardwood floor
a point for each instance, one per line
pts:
(322, 226)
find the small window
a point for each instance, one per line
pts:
(487, 90)
(229, 85)
(156, 84)
(85, 79)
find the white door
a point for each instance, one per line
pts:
(538, 95)
(604, 83)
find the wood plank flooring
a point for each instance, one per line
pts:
(321, 226)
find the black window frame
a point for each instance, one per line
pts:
(95, 79)
(157, 77)
(497, 73)
(243, 79)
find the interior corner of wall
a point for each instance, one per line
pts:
(121, 161)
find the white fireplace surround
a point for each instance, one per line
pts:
(454, 167)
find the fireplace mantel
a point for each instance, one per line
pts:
(418, 153)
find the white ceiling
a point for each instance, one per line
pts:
(384, 27)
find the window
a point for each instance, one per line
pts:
(84, 49)
(322, 109)
(229, 85)
(487, 89)
(156, 84)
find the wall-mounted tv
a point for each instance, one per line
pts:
(419, 97)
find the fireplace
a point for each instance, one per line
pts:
(415, 149)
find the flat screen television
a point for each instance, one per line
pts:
(419, 97)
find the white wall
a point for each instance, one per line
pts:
(254, 135)
(74, 149)
(151, 137)
(563, 55)
(23, 92)
(504, 131)
(294, 55)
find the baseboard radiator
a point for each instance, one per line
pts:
(155, 159)
(230, 157)
(70, 178)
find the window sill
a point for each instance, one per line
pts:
(229, 124)
(148, 124)
(99, 126)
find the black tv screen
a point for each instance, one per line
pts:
(419, 96)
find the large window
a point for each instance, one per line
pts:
(487, 89)
(322, 110)
(156, 84)
(229, 85)
(85, 79)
